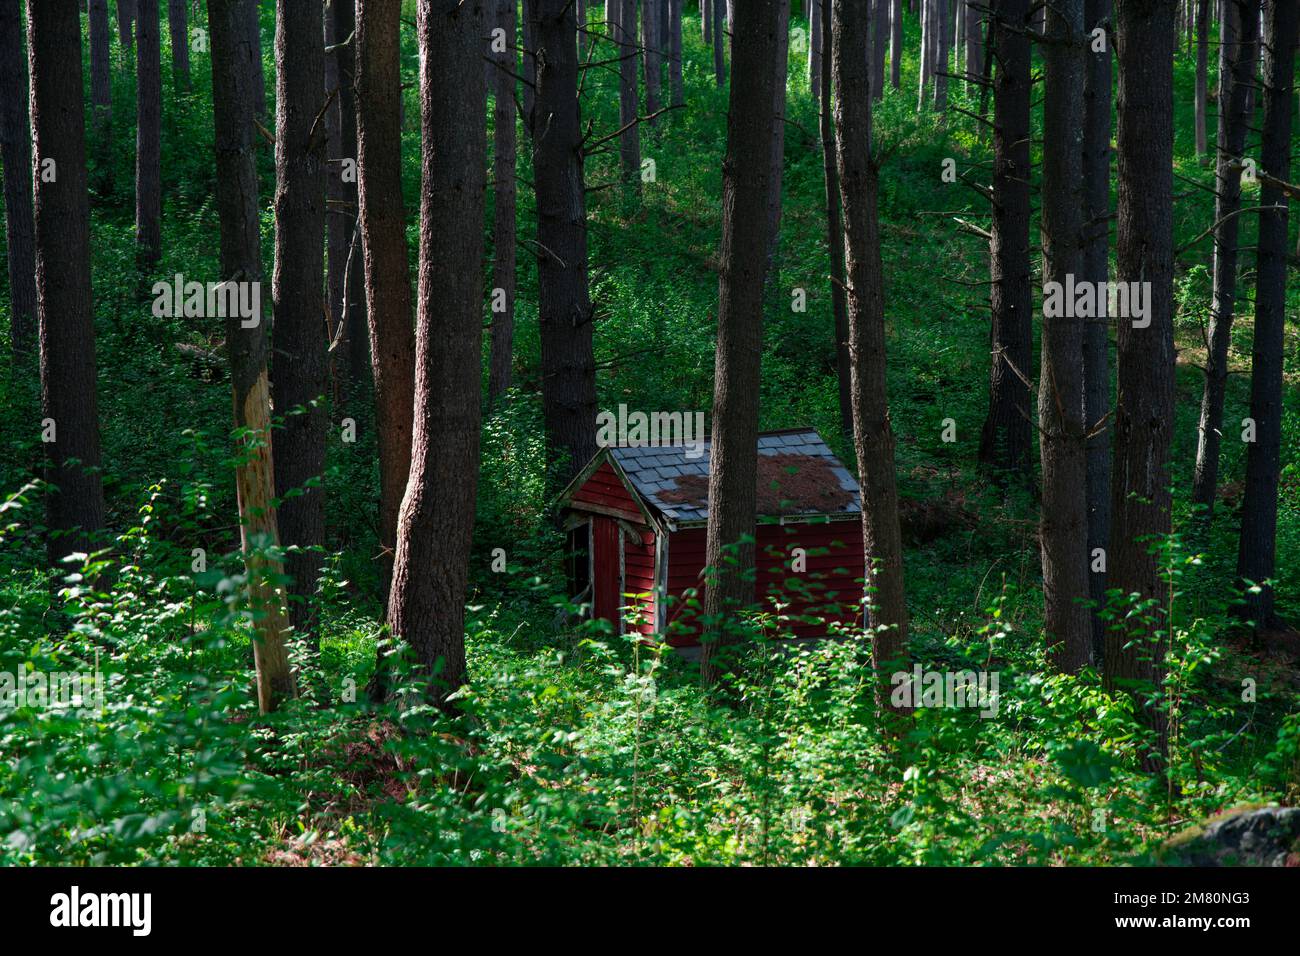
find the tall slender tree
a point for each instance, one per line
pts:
(873, 435)
(179, 31)
(719, 42)
(895, 43)
(437, 520)
(148, 135)
(564, 302)
(1257, 551)
(1061, 411)
(651, 56)
(503, 213)
(1237, 73)
(815, 50)
(298, 367)
(746, 193)
(677, 86)
(101, 90)
(630, 130)
(253, 25)
(1144, 409)
(388, 271)
(16, 159)
(126, 13)
(248, 345)
(1006, 439)
(835, 229)
(69, 405)
(1096, 342)
(1202, 78)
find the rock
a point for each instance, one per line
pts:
(1243, 836)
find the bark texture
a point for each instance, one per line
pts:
(16, 159)
(427, 610)
(75, 498)
(503, 212)
(148, 135)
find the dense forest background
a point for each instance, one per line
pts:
(570, 743)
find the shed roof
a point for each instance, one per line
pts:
(797, 475)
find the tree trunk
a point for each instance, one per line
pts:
(351, 352)
(254, 28)
(1006, 441)
(148, 135)
(719, 43)
(927, 41)
(298, 368)
(873, 435)
(651, 57)
(815, 50)
(895, 43)
(706, 18)
(503, 230)
(1096, 343)
(75, 499)
(1064, 514)
(126, 13)
(879, 46)
(943, 45)
(974, 40)
(746, 193)
(179, 31)
(1140, 497)
(1202, 79)
(1257, 551)
(782, 67)
(239, 210)
(564, 304)
(388, 270)
(101, 89)
(835, 230)
(675, 81)
(529, 72)
(1236, 69)
(630, 138)
(16, 158)
(437, 520)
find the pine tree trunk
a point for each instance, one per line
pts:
(746, 219)
(1006, 440)
(630, 138)
(148, 136)
(943, 46)
(974, 40)
(254, 27)
(101, 90)
(564, 304)
(719, 43)
(835, 230)
(436, 527)
(126, 13)
(179, 31)
(503, 230)
(927, 41)
(895, 43)
(873, 435)
(238, 210)
(529, 72)
(1202, 77)
(388, 270)
(651, 57)
(16, 159)
(1144, 410)
(1096, 343)
(675, 81)
(1257, 551)
(706, 18)
(879, 46)
(815, 50)
(1064, 514)
(75, 499)
(782, 66)
(299, 364)
(1236, 67)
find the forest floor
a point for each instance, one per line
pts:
(576, 745)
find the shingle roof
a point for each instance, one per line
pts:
(798, 475)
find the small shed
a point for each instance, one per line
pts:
(636, 519)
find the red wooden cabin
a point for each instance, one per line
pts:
(636, 518)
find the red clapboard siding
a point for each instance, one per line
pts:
(605, 489)
(606, 599)
(639, 578)
(833, 576)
